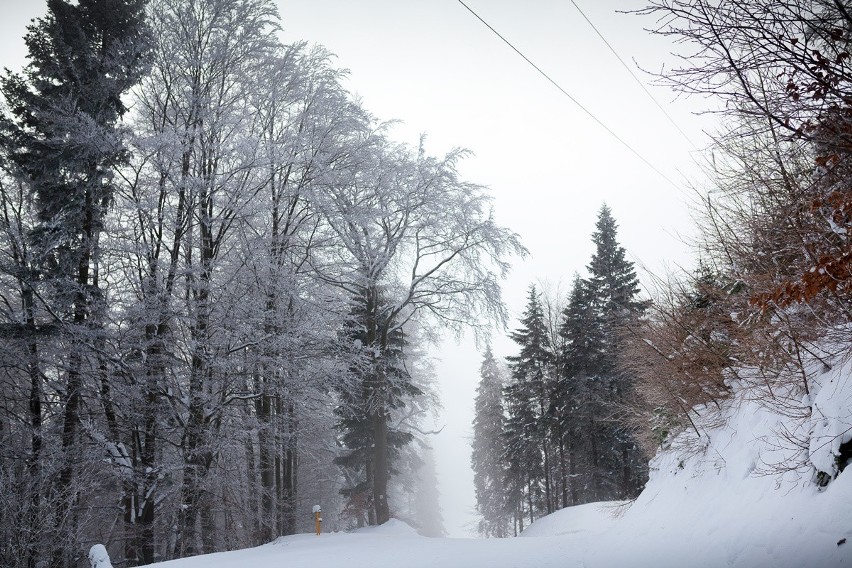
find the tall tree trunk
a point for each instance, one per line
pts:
(34, 465)
(253, 519)
(127, 468)
(626, 491)
(148, 463)
(572, 470)
(191, 486)
(288, 448)
(376, 338)
(66, 494)
(548, 503)
(371, 510)
(593, 447)
(156, 332)
(381, 465)
(195, 438)
(208, 521)
(379, 418)
(519, 518)
(563, 472)
(194, 444)
(266, 462)
(530, 499)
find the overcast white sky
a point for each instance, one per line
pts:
(431, 64)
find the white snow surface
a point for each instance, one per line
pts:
(98, 557)
(583, 521)
(714, 500)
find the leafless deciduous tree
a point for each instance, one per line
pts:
(416, 240)
(775, 272)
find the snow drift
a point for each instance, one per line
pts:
(745, 489)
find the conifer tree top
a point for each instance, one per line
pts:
(611, 274)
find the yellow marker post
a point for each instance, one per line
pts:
(318, 518)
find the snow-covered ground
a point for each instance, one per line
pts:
(392, 544)
(713, 500)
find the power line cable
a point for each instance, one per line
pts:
(567, 94)
(635, 78)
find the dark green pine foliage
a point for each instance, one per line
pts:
(62, 141)
(612, 277)
(578, 396)
(488, 451)
(527, 399)
(62, 133)
(615, 288)
(354, 425)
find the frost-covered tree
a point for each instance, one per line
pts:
(27, 355)
(62, 139)
(577, 398)
(594, 388)
(615, 285)
(415, 241)
(528, 396)
(354, 410)
(299, 115)
(266, 253)
(197, 169)
(489, 451)
(232, 129)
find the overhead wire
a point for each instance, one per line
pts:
(635, 78)
(570, 97)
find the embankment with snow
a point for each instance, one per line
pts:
(744, 489)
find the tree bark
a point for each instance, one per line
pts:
(34, 465)
(287, 501)
(73, 390)
(266, 462)
(380, 461)
(563, 473)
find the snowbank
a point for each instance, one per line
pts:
(744, 493)
(98, 557)
(586, 520)
(392, 528)
(831, 419)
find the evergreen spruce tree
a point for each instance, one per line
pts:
(612, 278)
(604, 460)
(427, 506)
(63, 140)
(489, 451)
(615, 287)
(577, 397)
(62, 133)
(354, 419)
(527, 401)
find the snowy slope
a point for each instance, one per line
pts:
(719, 499)
(583, 521)
(713, 500)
